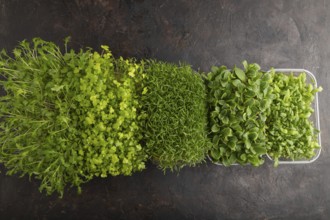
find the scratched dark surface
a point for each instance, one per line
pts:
(203, 33)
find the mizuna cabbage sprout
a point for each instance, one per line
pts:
(290, 132)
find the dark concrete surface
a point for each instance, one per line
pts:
(203, 33)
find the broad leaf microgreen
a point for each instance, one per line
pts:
(239, 102)
(290, 132)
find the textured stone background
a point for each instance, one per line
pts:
(203, 33)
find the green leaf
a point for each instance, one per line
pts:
(215, 128)
(253, 136)
(226, 132)
(247, 143)
(214, 69)
(243, 157)
(255, 160)
(57, 88)
(232, 159)
(237, 127)
(248, 111)
(240, 74)
(260, 150)
(215, 154)
(236, 82)
(232, 145)
(216, 140)
(226, 75)
(246, 65)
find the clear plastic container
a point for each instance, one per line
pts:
(315, 117)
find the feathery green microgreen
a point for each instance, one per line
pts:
(175, 129)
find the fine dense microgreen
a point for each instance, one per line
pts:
(67, 117)
(175, 129)
(239, 102)
(290, 132)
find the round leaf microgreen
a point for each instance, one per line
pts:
(290, 132)
(235, 114)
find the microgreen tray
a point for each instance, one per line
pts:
(315, 117)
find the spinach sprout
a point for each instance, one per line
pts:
(239, 102)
